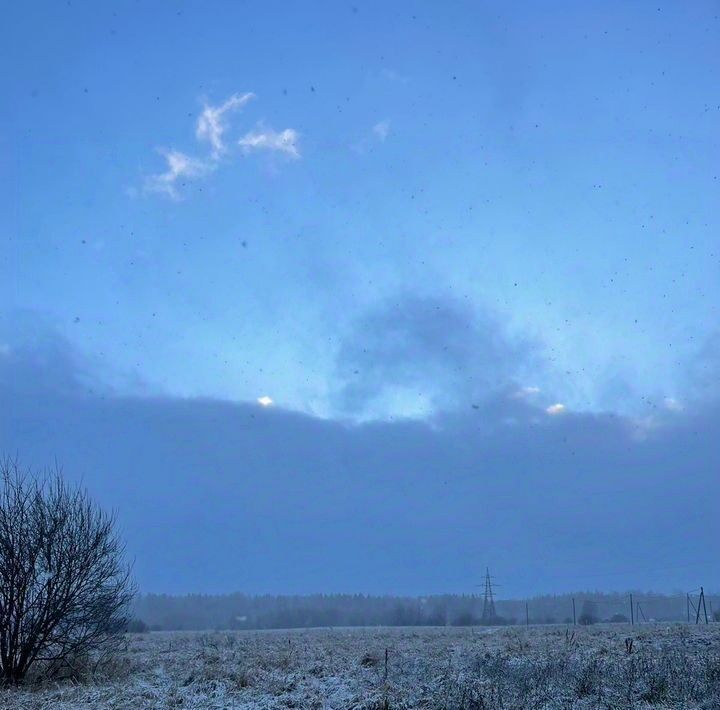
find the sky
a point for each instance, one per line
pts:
(450, 243)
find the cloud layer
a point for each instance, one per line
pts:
(215, 496)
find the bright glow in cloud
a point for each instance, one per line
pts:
(179, 166)
(268, 139)
(555, 409)
(211, 125)
(265, 401)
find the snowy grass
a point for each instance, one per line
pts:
(544, 667)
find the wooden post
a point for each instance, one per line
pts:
(702, 596)
(632, 612)
(574, 622)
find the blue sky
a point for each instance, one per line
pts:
(469, 250)
(554, 164)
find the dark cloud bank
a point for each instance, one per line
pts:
(216, 496)
(439, 348)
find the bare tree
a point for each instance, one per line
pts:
(64, 587)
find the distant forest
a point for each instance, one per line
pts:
(240, 611)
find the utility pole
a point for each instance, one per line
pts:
(701, 600)
(632, 613)
(687, 599)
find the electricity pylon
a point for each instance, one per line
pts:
(488, 614)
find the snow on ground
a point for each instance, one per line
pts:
(542, 667)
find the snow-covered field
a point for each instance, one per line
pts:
(672, 666)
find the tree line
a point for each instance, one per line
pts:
(242, 611)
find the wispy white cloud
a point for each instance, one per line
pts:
(179, 167)
(211, 127)
(212, 124)
(378, 133)
(267, 139)
(382, 129)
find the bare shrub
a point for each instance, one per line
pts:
(64, 588)
(136, 626)
(589, 614)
